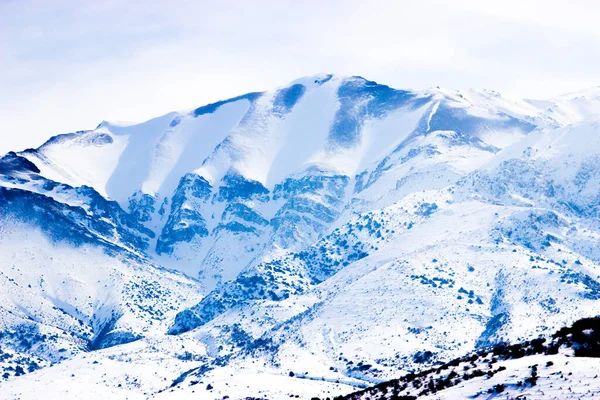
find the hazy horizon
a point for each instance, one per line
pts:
(68, 65)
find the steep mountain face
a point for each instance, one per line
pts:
(336, 228)
(265, 173)
(71, 279)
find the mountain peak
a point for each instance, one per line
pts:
(313, 80)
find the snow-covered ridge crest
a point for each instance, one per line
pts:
(157, 145)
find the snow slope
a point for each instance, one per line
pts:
(561, 366)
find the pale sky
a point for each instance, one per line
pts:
(68, 65)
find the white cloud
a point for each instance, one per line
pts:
(67, 65)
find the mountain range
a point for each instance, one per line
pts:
(308, 241)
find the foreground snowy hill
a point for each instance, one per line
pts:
(306, 241)
(564, 367)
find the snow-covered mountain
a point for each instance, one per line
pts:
(310, 240)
